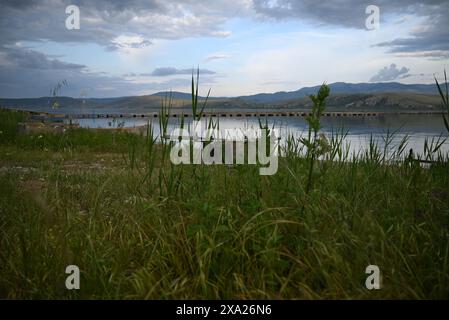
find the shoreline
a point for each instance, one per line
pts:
(43, 115)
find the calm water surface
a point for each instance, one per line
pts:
(417, 128)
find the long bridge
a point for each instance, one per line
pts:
(220, 114)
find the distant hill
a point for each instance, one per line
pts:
(342, 87)
(389, 96)
(381, 102)
(179, 95)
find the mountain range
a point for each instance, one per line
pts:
(388, 96)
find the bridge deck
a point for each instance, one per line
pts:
(256, 114)
(222, 115)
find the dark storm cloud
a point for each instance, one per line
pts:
(20, 4)
(347, 13)
(433, 36)
(26, 72)
(103, 21)
(432, 39)
(21, 82)
(29, 59)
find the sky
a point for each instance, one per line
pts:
(242, 47)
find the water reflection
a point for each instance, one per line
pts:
(415, 127)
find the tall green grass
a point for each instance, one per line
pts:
(72, 139)
(9, 120)
(444, 94)
(152, 230)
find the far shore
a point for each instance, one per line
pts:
(154, 113)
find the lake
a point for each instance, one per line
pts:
(417, 127)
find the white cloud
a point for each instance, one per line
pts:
(217, 56)
(390, 73)
(130, 42)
